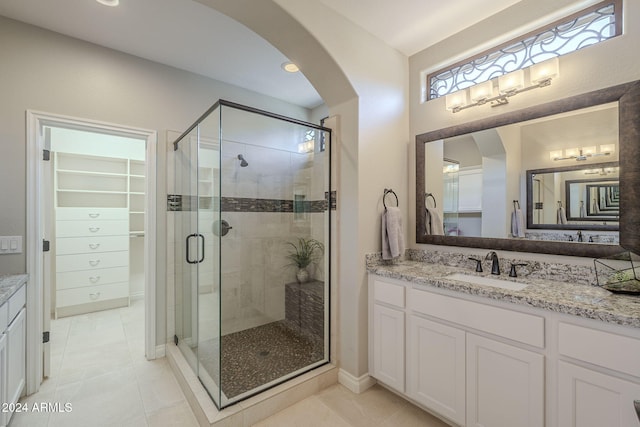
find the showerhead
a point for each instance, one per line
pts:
(243, 162)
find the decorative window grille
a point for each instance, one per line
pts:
(587, 27)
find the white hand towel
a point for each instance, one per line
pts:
(392, 233)
(433, 224)
(562, 216)
(583, 210)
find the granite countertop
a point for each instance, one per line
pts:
(9, 284)
(562, 297)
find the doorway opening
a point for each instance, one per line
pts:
(91, 211)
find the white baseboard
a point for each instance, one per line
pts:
(355, 384)
(161, 351)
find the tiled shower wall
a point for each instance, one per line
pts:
(254, 269)
(254, 265)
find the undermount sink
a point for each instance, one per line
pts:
(487, 281)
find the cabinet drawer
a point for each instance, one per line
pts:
(4, 319)
(16, 302)
(92, 228)
(388, 293)
(80, 245)
(84, 278)
(521, 327)
(91, 261)
(605, 349)
(68, 297)
(91, 213)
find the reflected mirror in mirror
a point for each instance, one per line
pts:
(575, 198)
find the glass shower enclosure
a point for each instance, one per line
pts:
(251, 192)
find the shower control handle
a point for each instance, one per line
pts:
(221, 228)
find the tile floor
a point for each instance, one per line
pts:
(98, 365)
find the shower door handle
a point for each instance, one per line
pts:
(202, 258)
(188, 254)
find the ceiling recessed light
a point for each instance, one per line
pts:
(112, 3)
(290, 67)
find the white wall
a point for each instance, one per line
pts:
(45, 71)
(606, 64)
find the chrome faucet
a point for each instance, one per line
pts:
(495, 264)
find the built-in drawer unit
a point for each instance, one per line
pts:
(89, 294)
(91, 261)
(609, 350)
(91, 214)
(79, 245)
(389, 293)
(99, 276)
(513, 325)
(91, 228)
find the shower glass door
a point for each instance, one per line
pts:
(197, 249)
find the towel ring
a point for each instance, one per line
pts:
(516, 204)
(387, 191)
(426, 196)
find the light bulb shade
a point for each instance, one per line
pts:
(608, 148)
(456, 100)
(545, 70)
(555, 155)
(481, 91)
(511, 82)
(588, 151)
(572, 152)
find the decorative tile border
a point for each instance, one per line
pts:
(177, 202)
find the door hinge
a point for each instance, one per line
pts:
(46, 155)
(175, 339)
(45, 337)
(46, 246)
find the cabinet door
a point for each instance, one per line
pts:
(505, 385)
(588, 398)
(388, 346)
(16, 354)
(436, 367)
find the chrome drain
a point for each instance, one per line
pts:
(264, 353)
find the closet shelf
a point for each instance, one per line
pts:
(91, 191)
(90, 173)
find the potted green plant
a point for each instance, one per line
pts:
(304, 253)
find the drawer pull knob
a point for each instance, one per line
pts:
(94, 262)
(94, 229)
(94, 215)
(94, 279)
(95, 295)
(94, 245)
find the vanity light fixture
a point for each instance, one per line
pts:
(581, 154)
(111, 3)
(540, 75)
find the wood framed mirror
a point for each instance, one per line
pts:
(627, 97)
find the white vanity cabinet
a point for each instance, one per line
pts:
(598, 377)
(455, 372)
(436, 367)
(12, 350)
(505, 384)
(386, 355)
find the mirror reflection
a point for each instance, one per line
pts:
(559, 172)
